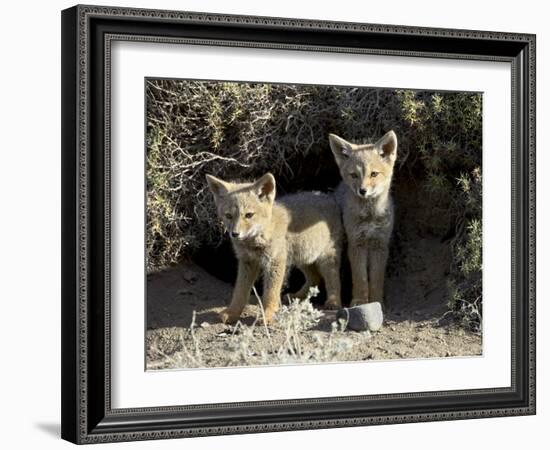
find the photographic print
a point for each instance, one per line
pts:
(294, 224)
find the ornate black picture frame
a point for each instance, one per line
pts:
(87, 34)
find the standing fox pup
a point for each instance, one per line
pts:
(367, 210)
(269, 236)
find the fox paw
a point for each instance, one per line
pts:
(268, 317)
(228, 316)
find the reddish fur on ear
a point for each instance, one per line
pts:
(266, 186)
(388, 145)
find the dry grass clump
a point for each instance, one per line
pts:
(287, 341)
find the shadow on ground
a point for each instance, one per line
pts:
(52, 429)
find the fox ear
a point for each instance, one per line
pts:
(340, 147)
(265, 187)
(217, 186)
(387, 145)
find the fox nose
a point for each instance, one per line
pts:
(235, 234)
(362, 191)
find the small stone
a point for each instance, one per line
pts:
(205, 325)
(363, 317)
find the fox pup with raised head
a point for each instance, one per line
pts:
(269, 236)
(367, 210)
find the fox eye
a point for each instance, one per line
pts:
(354, 175)
(374, 174)
(228, 216)
(249, 215)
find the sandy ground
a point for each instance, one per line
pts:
(412, 326)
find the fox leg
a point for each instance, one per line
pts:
(274, 276)
(378, 258)
(330, 271)
(311, 273)
(358, 261)
(247, 273)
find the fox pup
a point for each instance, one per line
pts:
(269, 237)
(367, 210)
